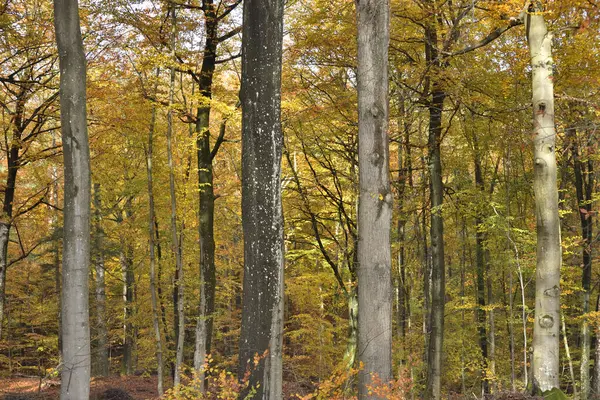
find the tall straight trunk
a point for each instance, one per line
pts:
(403, 172)
(434, 350)
(76, 243)
(206, 195)
(568, 354)
(492, 327)
(126, 261)
(584, 183)
(438, 275)
(481, 270)
(56, 247)
(13, 161)
(152, 251)
(262, 219)
(596, 379)
(101, 363)
(547, 284)
(175, 244)
(375, 198)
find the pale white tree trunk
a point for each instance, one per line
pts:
(375, 198)
(547, 292)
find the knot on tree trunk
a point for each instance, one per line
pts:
(546, 321)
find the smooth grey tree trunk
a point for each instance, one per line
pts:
(175, 244)
(545, 363)
(101, 363)
(262, 219)
(375, 198)
(152, 252)
(75, 374)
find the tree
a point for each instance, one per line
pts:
(375, 201)
(205, 156)
(546, 336)
(178, 295)
(101, 361)
(28, 69)
(262, 139)
(76, 241)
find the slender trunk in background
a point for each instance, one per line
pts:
(175, 245)
(206, 195)
(76, 242)
(13, 162)
(262, 219)
(403, 172)
(481, 267)
(56, 246)
(545, 363)
(463, 262)
(492, 327)
(584, 183)
(568, 354)
(126, 261)
(101, 363)
(375, 198)
(438, 273)
(152, 246)
(597, 366)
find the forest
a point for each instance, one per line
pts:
(299, 199)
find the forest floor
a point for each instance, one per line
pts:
(138, 387)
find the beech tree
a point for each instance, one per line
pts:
(375, 197)
(76, 240)
(546, 335)
(262, 139)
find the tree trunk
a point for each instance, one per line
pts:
(584, 183)
(438, 279)
(126, 261)
(262, 219)
(597, 365)
(375, 198)
(152, 246)
(101, 363)
(175, 244)
(481, 269)
(206, 196)
(13, 164)
(547, 292)
(76, 244)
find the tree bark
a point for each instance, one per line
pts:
(126, 261)
(438, 279)
(481, 267)
(152, 251)
(584, 183)
(547, 292)
(206, 196)
(262, 220)
(13, 161)
(175, 244)
(375, 198)
(76, 251)
(101, 364)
